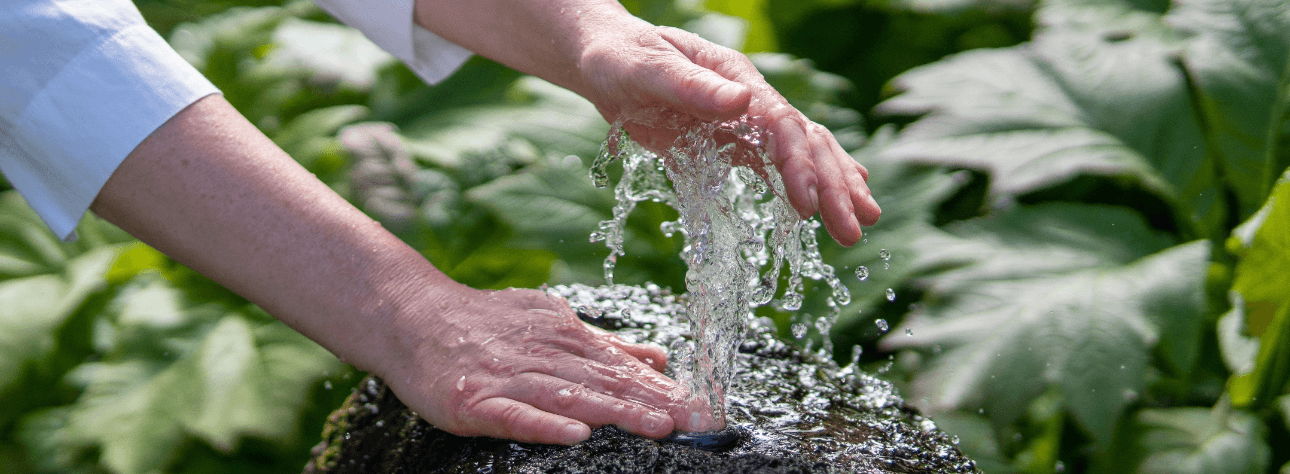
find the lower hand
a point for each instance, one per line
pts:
(519, 364)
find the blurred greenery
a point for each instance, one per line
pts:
(1086, 203)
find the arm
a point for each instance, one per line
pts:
(624, 65)
(211, 191)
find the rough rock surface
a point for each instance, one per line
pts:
(795, 412)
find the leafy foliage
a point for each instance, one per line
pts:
(1061, 211)
(1045, 295)
(1198, 440)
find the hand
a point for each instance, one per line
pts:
(633, 72)
(518, 364)
(527, 367)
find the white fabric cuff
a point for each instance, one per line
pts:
(390, 25)
(79, 128)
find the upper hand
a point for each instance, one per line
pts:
(632, 71)
(519, 364)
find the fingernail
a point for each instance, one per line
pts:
(813, 193)
(575, 433)
(654, 422)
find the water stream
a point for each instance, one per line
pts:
(739, 232)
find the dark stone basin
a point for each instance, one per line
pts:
(789, 411)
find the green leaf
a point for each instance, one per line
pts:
(1260, 275)
(1239, 351)
(1055, 296)
(554, 206)
(1262, 244)
(331, 52)
(909, 196)
(1240, 59)
(242, 378)
(1096, 93)
(274, 63)
(554, 120)
(1259, 388)
(42, 283)
(976, 440)
(1199, 440)
(761, 30)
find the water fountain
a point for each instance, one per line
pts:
(790, 410)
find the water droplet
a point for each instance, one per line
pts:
(461, 383)
(909, 332)
(955, 440)
(327, 385)
(891, 294)
(882, 325)
(886, 266)
(884, 254)
(799, 330)
(792, 301)
(1059, 467)
(862, 272)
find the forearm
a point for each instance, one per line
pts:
(211, 191)
(545, 38)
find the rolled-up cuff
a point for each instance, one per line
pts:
(77, 130)
(390, 25)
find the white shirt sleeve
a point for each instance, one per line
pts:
(82, 83)
(389, 24)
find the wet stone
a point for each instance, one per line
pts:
(791, 412)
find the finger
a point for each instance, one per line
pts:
(649, 354)
(836, 207)
(645, 387)
(790, 151)
(510, 419)
(636, 382)
(867, 209)
(595, 409)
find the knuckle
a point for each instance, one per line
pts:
(512, 417)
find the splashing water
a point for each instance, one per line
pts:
(736, 222)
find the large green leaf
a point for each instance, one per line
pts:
(555, 206)
(239, 377)
(43, 282)
(1263, 245)
(1196, 441)
(1240, 59)
(909, 196)
(554, 120)
(1096, 93)
(1055, 296)
(274, 63)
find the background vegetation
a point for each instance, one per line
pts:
(1091, 262)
